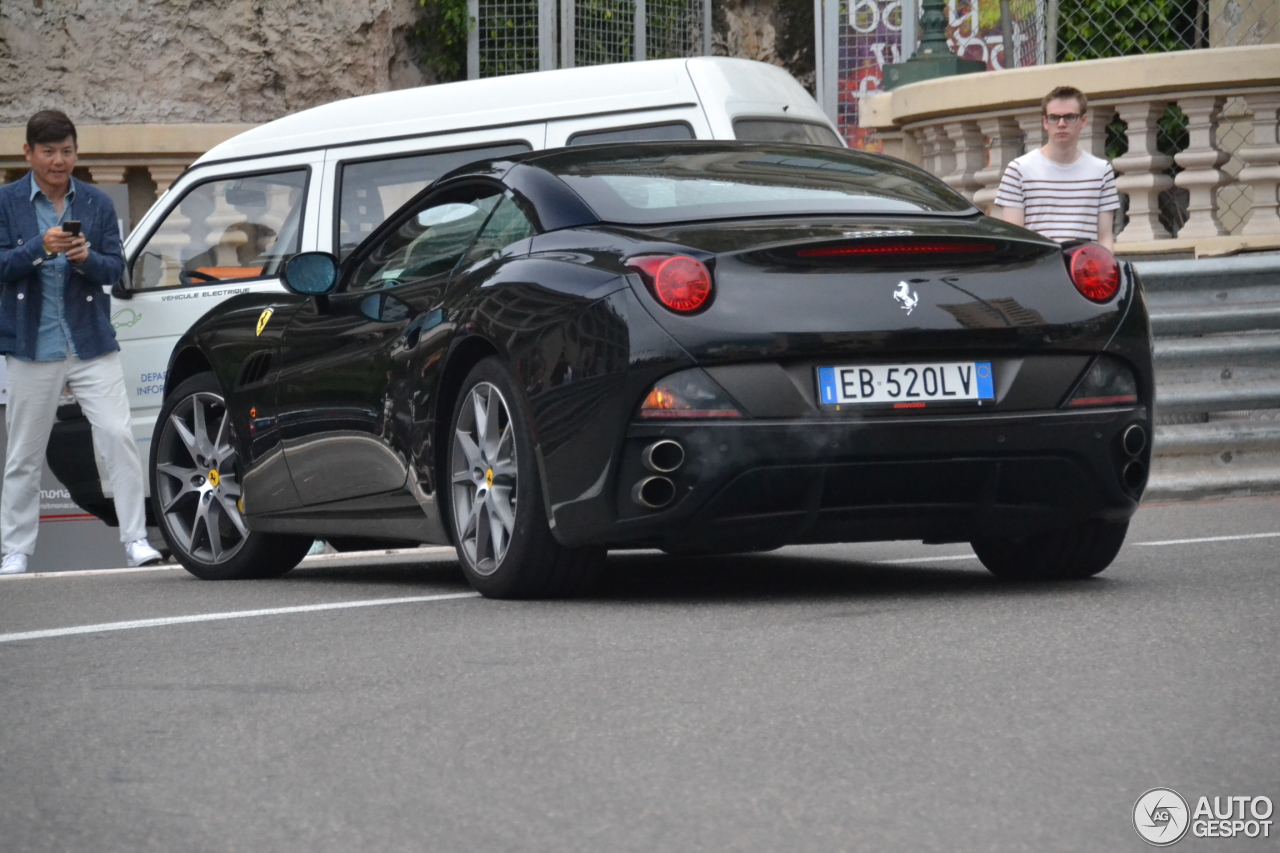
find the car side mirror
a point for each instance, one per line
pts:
(311, 273)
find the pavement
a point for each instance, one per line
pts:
(878, 697)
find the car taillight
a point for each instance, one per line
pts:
(681, 283)
(687, 394)
(899, 247)
(1094, 271)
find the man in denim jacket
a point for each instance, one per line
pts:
(55, 331)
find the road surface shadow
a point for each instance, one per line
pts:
(640, 576)
(634, 576)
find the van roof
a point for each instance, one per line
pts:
(742, 85)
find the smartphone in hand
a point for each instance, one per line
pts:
(71, 226)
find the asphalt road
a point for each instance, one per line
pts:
(812, 699)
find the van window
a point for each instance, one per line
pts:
(374, 189)
(676, 130)
(227, 229)
(784, 130)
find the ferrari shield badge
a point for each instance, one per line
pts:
(263, 318)
(904, 296)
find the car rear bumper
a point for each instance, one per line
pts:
(759, 484)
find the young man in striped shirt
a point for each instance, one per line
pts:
(1058, 190)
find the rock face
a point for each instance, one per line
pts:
(144, 61)
(779, 32)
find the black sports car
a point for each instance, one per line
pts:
(700, 347)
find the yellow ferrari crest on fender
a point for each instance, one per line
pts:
(263, 318)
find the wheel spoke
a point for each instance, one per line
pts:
(188, 439)
(492, 430)
(481, 414)
(201, 428)
(472, 517)
(497, 535)
(232, 513)
(182, 493)
(226, 457)
(212, 511)
(500, 504)
(177, 472)
(230, 487)
(470, 450)
(222, 432)
(483, 526)
(504, 463)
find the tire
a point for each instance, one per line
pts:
(195, 492)
(498, 518)
(1070, 553)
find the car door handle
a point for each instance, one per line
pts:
(413, 333)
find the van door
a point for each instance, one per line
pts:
(371, 181)
(222, 235)
(673, 124)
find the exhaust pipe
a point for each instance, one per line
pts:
(1134, 476)
(653, 492)
(663, 457)
(1135, 439)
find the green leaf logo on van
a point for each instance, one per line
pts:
(125, 318)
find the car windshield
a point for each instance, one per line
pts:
(645, 184)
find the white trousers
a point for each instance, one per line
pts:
(34, 390)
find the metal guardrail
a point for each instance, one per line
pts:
(1217, 356)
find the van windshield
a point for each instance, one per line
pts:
(649, 184)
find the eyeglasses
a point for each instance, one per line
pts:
(1069, 118)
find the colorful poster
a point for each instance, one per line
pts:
(870, 37)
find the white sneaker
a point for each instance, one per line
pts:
(14, 564)
(141, 553)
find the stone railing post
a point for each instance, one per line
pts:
(164, 176)
(1262, 159)
(970, 156)
(1140, 172)
(1201, 163)
(107, 174)
(939, 156)
(1093, 137)
(1005, 145)
(1032, 126)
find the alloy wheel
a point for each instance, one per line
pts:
(484, 477)
(197, 485)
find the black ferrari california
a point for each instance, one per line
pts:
(699, 347)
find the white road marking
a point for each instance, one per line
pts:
(929, 559)
(79, 573)
(233, 614)
(317, 559)
(1212, 539)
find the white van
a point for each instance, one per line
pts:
(324, 178)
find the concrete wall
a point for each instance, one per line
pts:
(207, 61)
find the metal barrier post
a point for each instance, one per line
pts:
(638, 53)
(473, 39)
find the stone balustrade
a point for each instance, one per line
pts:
(1218, 191)
(141, 160)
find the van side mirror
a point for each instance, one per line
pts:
(120, 290)
(311, 273)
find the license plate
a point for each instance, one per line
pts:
(906, 385)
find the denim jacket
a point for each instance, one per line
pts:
(87, 307)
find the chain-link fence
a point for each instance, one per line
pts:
(507, 37)
(515, 36)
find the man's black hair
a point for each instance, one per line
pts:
(50, 126)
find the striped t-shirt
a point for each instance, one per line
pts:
(1060, 202)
